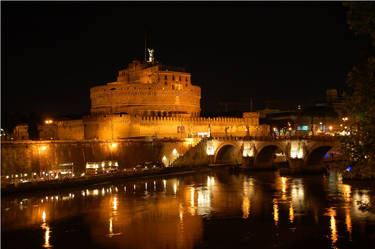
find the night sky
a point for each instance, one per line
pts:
(286, 53)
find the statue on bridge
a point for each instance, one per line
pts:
(247, 131)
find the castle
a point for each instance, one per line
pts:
(148, 99)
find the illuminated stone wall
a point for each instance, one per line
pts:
(70, 130)
(34, 156)
(148, 90)
(118, 126)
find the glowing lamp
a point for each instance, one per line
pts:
(210, 150)
(247, 150)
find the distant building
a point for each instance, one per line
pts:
(20, 132)
(324, 117)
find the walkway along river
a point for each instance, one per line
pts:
(216, 209)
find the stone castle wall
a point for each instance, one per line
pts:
(148, 90)
(70, 130)
(120, 126)
(36, 156)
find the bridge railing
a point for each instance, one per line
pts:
(278, 138)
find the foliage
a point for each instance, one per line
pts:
(361, 18)
(359, 147)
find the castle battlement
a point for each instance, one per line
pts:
(148, 99)
(147, 89)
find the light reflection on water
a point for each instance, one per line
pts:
(172, 213)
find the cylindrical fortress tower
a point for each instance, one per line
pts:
(148, 89)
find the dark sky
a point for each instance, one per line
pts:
(288, 53)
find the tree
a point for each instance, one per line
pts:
(359, 146)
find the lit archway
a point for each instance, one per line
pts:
(266, 156)
(228, 154)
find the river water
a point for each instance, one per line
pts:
(218, 209)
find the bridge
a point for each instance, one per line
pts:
(296, 153)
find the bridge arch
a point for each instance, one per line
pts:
(265, 155)
(316, 154)
(228, 153)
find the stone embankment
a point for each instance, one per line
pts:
(101, 179)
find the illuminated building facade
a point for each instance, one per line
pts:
(148, 89)
(149, 100)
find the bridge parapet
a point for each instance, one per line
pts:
(261, 152)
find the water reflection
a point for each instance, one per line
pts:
(245, 207)
(172, 213)
(291, 212)
(348, 221)
(248, 191)
(333, 228)
(47, 231)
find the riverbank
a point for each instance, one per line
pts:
(97, 180)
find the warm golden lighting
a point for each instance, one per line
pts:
(189, 141)
(45, 227)
(175, 188)
(44, 216)
(210, 181)
(192, 196)
(291, 212)
(114, 145)
(43, 148)
(330, 128)
(275, 211)
(296, 150)
(283, 184)
(174, 151)
(332, 214)
(165, 161)
(48, 121)
(110, 226)
(210, 150)
(46, 236)
(346, 192)
(348, 220)
(248, 151)
(114, 203)
(245, 207)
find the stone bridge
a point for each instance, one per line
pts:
(262, 152)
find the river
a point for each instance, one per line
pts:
(219, 209)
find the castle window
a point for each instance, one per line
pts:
(186, 79)
(165, 83)
(173, 77)
(186, 84)
(165, 77)
(179, 78)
